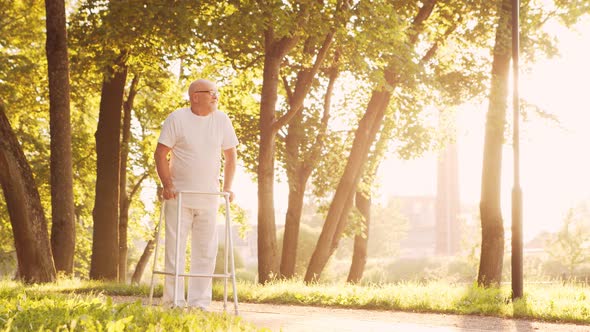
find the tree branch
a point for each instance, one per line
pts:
(137, 185)
(287, 89)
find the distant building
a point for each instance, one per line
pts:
(420, 212)
(448, 235)
(424, 235)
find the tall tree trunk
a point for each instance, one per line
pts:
(296, 179)
(33, 250)
(292, 223)
(338, 211)
(267, 242)
(299, 168)
(63, 232)
(361, 241)
(274, 52)
(143, 261)
(124, 200)
(492, 227)
(105, 237)
(363, 203)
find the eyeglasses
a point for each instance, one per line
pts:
(212, 93)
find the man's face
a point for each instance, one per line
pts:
(207, 95)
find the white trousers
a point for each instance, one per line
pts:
(201, 223)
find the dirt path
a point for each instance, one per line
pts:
(300, 318)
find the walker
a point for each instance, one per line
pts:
(228, 252)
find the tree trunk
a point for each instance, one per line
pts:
(63, 232)
(296, 180)
(267, 241)
(123, 223)
(33, 250)
(275, 50)
(292, 223)
(363, 202)
(143, 261)
(492, 228)
(124, 199)
(337, 213)
(300, 166)
(359, 255)
(105, 237)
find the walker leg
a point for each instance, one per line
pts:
(225, 255)
(177, 256)
(231, 255)
(157, 239)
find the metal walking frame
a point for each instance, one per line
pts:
(228, 252)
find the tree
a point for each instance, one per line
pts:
(302, 155)
(114, 48)
(286, 31)
(361, 241)
(277, 44)
(368, 128)
(23, 34)
(105, 238)
(492, 224)
(143, 261)
(124, 198)
(534, 40)
(307, 236)
(570, 245)
(33, 250)
(407, 83)
(362, 202)
(63, 233)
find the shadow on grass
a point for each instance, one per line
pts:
(491, 308)
(521, 310)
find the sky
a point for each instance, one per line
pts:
(555, 159)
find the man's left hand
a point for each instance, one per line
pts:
(231, 195)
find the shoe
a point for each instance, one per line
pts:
(169, 305)
(196, 309)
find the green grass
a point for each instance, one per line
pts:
(86, 305)
(546, 302)
(71, 305)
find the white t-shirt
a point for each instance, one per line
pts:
(197, 143)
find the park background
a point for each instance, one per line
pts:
(554, 162)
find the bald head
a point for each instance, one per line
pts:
(200, 85)
(202, 94)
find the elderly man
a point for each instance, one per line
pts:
(195, 138)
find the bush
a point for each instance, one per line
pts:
(247, 275)
(219, 263)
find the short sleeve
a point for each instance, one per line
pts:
(168, 133)
(230, 139)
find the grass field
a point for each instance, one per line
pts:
(70, 305)
(547, 302)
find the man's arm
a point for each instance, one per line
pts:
(163, 169)
(229, 170)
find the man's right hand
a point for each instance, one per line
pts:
(169, 192)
